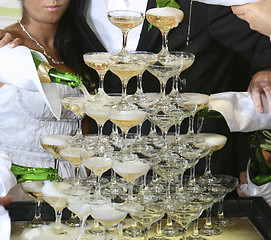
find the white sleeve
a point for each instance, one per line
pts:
(7, 178)
(17, 68)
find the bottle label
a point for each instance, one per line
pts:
(43, 71)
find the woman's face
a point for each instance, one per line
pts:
(45, 11)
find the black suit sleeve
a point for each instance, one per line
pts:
(236, 35)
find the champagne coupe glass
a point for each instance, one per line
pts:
(81, 209)
(33, 189)
(53, 195)
(53, 143)
(125, 20)
(186, 110)
(187, 60)
(108, 215)
(74, 103)
(130, 169)
(164, 70)
(206, 200)
(164, 120)
(184, 213)
(99, 113)
(73, 155)
(98, 165)
(148, 215)
(216, 141)
(164, 19)
(202, 101)
(125, 70)
(218, 192)
(99, 62)
(230, 183)
(126, 119)
(193, 153)
(168, 170)
(139, 97)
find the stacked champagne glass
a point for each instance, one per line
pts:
(129, 191)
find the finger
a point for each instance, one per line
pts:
(267, 91)
(16, 42)
(257, 99)
(5, 200)
(7, 37)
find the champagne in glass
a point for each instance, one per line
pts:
(165, 19)
(126, 70)
(33, 189)
(130, 170)
(216, 141)
(125, 20)
(74, 103)
(73, 155)
(53, 195)
(126, 120)
(99, 62)
(53, 143)
(164, 70)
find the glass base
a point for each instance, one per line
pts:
(35, 223)
(133, 232)
(95, 231)
(196, 237)
(171, 231)
(74, 221)
(96, 198)
(207, 179)
(211, 231)
(222, 222)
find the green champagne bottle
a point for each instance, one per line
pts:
(260, 168)
(47, 73)
(23, 173)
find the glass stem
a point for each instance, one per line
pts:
(163, 95)
(101, 82)
(220, 213)
(124, 90)
(208, 223)
(130, 191)
(146, 235)
(195, 233)
(79, 129)
(58, 219)
(158, 231)
(124, 41)
(139, 83)
(38, 210)
(164, 49)
(98, 185)
(107, 233)
(83, 221)
(56, 163)
(191, 125)
(100, 132)
(208, 165)
(76, 175)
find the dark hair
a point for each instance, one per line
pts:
(68, 46)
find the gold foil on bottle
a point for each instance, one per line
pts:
(43, 71)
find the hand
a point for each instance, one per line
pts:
(7, 37)
(260, 83)
(5, 200)
(243, 180)
(256, 14)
